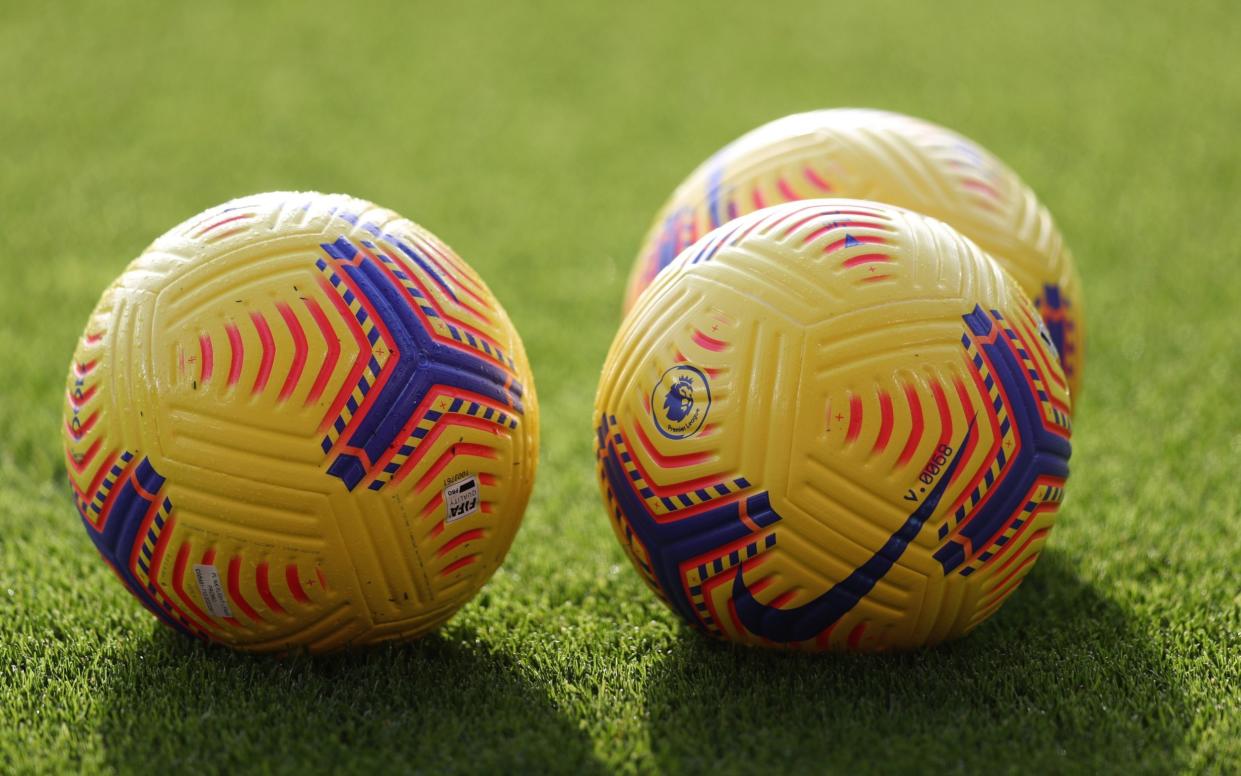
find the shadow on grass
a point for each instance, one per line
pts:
(436, 705)
(1057, 680)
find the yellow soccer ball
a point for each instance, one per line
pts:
(300, 420)
(833, 424)
(885, 157)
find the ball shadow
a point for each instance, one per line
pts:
(437, 705)
(1058, 680)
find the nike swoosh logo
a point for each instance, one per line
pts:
(807, 621)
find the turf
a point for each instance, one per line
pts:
(538, 139)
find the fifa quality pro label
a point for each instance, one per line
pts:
(212, 592)
(461, 497)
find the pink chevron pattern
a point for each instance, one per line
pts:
(393, 315)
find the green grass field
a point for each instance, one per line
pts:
(538, 139)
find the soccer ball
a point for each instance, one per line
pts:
(300, 420)
(891, 158)
(833, 424)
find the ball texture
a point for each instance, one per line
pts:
(300, 420)
(833, 424)
(885, 157)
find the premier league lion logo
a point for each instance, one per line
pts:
(680, 399)
(680, 402)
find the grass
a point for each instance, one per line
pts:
(538, 139)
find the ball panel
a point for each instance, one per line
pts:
(312, 377)
(901, 461)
